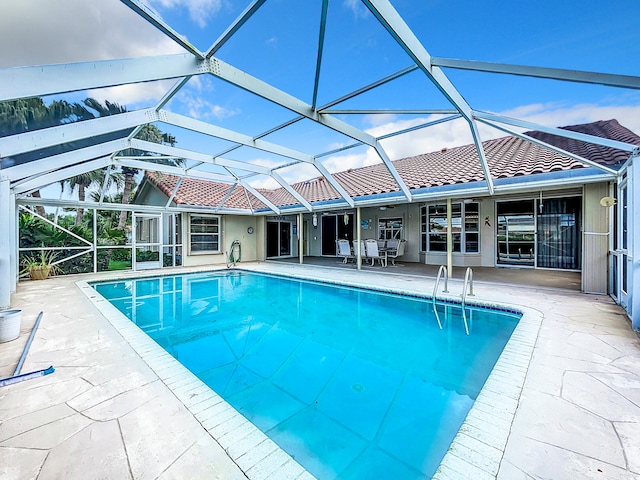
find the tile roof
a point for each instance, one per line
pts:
(610, 129)
(507, 157)
(202, 192)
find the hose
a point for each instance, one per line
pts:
(233, 258)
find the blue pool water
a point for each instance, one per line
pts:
(351, 383)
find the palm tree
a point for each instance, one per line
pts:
(83, 181)
(28, 114)
(148, 132)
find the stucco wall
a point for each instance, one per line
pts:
(234, 227)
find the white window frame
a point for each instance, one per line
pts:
(215, 235)
(397, 233)
(425, 232)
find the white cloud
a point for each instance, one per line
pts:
(272, 41)
(37, 32)
(200, 11)
(131, 95)
(358, 9)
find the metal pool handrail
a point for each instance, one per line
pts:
(441, 270)
(468, 282)
(446, 278)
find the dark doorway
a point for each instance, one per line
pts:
(329, 232)
(278, 239)
(333, 229)
(272, 239)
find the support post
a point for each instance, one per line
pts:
(6, 213)
(14, 260)
(300, 239)
(95, 240)
(358, 237)
(449, 240)
(633, 177)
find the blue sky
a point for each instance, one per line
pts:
(279, 44)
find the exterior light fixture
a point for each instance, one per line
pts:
(314, 220)
(346, 218)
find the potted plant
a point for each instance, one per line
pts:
(40, 266)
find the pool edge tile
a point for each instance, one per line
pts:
(169, 369)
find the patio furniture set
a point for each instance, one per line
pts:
(373, 250)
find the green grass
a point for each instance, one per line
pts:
(119, 265)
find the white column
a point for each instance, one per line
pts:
(14, 242)
(7, 211)
(300, 239)
(633, 192)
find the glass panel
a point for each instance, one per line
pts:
(516, 233)
(438, 227)
(624, 273)
(471, 244)
(423, 229)
(559, 233)
(389, 228)
(285, 238)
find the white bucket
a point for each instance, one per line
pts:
(10, 325)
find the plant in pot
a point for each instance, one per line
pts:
(40, 266)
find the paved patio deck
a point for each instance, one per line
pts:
(110, 412)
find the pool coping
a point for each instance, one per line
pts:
(475, 452)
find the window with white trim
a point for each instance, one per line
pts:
(204, 234)
(390, 228)
(465, 227)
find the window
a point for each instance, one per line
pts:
(204, 234)
(465, 227)
(390, 228)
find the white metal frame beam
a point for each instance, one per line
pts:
(61, 174)
(71, 132)
(204, 158)
(151, 17)
(402, 34)
(37, 168)
(33, 81)
(256, 86)
(579, 76)
(561, 132)
(535, 141)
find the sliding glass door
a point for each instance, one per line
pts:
(540, 233)
(559, 233)
(516, 233)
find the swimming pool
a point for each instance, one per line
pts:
(351, 383)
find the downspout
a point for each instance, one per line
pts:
(449, 240)
(358, 237)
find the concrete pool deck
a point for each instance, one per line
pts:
(106, 413)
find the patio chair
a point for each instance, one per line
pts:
(392, 244)
(344, 251)
(398, 252)
(373, 252)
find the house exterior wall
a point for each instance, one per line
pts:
(233, 227)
